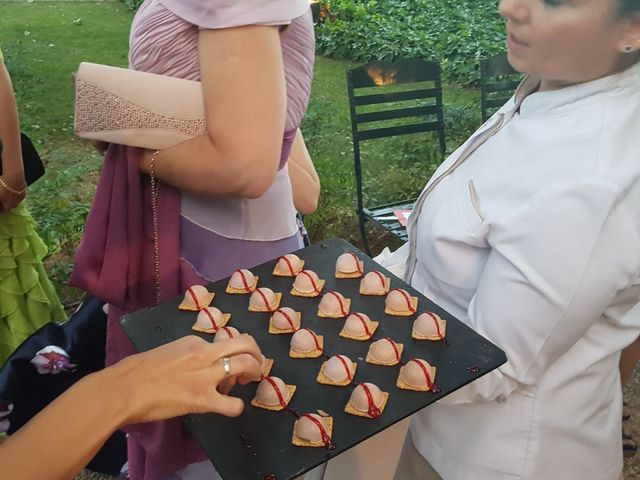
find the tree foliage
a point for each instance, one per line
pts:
(457, 34)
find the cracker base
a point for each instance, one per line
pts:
(373, 361)
(312, 354)
(404, 313)
(405, 386)
(225, 319)
(355, 274)
(242, 291)
(434, 338)
(363, 338)
(350, 409)
(336, 315)
(286, 273)
(207, 302)
(275, 408)
(324, 380)
(327, 422)
(298, 293)
(271, 309)
(387, 289)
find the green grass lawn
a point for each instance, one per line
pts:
(43, 45)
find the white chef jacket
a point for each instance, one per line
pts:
(530, 234)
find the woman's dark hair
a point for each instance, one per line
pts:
(629, 7)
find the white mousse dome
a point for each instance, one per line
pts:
(304, 341)
(225, 333)
(338, 371)
(266, 393)
(360, 400)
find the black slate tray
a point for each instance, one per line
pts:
(257, 445)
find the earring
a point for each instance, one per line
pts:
(627, 49)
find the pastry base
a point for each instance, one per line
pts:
(337, 315)
(350, 409)
(405, 386)
(362, 338)
(387, 289)
(206, 303)
(404, 313)
(242, 291)
(373, 361)
(286, 273)
(275, 408)
(324, 380)
(266, 367)
(443, 328)
(277, 331)
(298, 293)
(312, 354)
(271, 308)
(225, 319)
(327, 423)
(352, 274)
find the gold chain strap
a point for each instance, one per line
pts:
(11, 189)
(155, 187)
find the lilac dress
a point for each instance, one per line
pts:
(114, 260)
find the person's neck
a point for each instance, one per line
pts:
(547, 85)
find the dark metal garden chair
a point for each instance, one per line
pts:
(391, 100)
(498, 81)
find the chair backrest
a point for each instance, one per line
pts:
(388, 100)
(498, 81)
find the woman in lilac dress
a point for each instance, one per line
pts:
(225, 199)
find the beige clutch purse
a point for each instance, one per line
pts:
(138, 109)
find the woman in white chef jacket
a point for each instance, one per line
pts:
(530, 234)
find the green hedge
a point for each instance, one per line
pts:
(457, 34)
(133, 4)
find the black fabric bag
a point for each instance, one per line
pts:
(33, 166)
(83, 338)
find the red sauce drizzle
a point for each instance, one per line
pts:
(315, 338)
(285, 315)
(407, 298)
(286, 260)
(345, 365)
(213, 320)
(195, 298)
(374, 411)
(264, 299)
(342, 310)
(395, 347)
(326, 439)
(364, 323)
(313, 282)
(247, 287)
(424, 370)
(229, 332)
(382, 279)
(355, 257)
(435, 320)
(283, 404)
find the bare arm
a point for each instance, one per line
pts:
(245, 101)
(185, 376)
(12, 169)
(304, 178)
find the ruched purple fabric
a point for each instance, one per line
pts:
(115, 260)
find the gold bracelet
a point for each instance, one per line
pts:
(12, 190)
